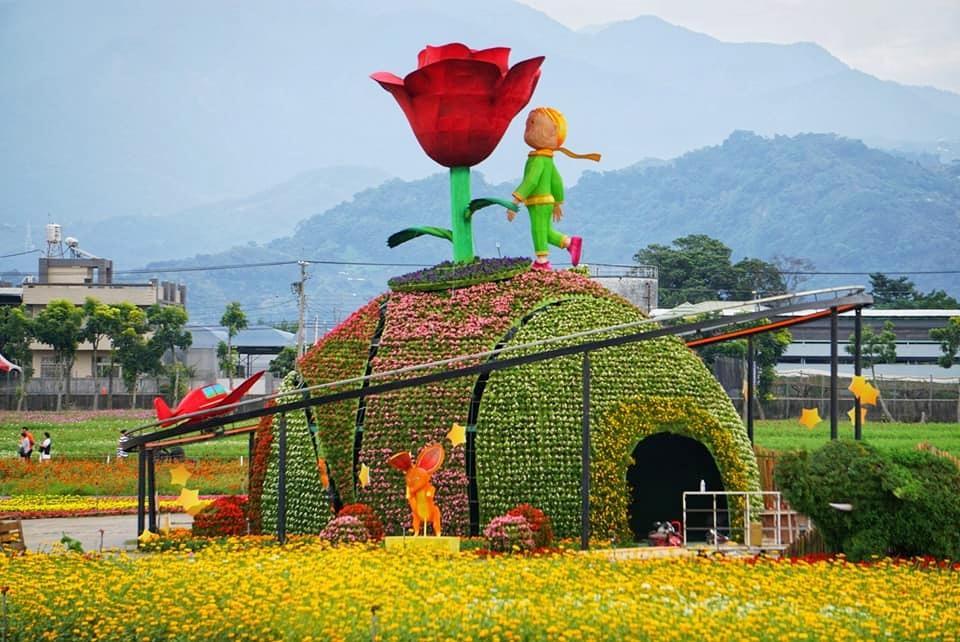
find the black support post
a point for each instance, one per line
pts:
(751, 376)
(251, 443)
(151, 491)
(585, 458)
(141, 490)
(282, 481)
(834, 402)
(857, 338)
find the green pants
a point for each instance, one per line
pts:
(542, 230)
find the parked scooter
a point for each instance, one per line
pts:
(666, 534)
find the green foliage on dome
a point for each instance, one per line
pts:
(528, 420)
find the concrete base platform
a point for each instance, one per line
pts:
(434, 544)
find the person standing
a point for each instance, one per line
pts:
(45, 447)
(121, 453)
(26, 445)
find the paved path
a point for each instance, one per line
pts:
(119, 531)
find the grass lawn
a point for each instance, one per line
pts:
(787, 434)
(90, 435)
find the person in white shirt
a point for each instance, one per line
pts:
(45, 446)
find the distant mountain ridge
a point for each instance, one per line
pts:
(835, 201)
(131, 241)
(145, 108)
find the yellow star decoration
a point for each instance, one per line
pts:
(869, 396)
(862, 389)
(857, 384)
(364, 476)
(147, 536)
(853, 414)
(810, 417)
(457, 435)
(179, 475)
(188, 498)
(199, 506)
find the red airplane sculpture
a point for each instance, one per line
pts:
(212, 396)
(7, 366)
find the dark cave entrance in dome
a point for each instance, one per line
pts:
(665, 466)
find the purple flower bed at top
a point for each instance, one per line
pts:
(449, 275)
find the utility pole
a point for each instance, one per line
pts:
(298, 289)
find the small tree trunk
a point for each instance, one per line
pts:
(176, 381)
(96, 391)
(230, 365)
(60, 384)
(110, 384)
(69, 398)
(883, 404)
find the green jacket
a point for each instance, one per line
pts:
(541, 182)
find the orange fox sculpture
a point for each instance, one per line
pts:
(420, 491)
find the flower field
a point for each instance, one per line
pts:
(85, 477)
(313, 592)
(43, 506)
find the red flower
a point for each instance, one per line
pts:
(459, 101)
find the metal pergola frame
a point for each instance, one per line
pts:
(839, 300)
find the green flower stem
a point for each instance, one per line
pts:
(461, 226)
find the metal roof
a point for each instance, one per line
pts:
(253, 339)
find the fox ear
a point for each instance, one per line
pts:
(430, 458)
(401, 461)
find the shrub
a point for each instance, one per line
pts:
(367, 517)
(539, 523)
(903, 504)
(224, 516)
(509, 533)
(345, 530)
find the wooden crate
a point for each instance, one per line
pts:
(11, 535)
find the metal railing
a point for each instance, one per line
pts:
(760, 530)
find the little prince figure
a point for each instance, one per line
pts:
(542, 188)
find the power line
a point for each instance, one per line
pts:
(7, 256)
(237, 266)
(812, 272)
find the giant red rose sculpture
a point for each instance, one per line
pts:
(459, 102)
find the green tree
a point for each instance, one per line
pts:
(768, 346)
(137, 356)
(127, 316)
(234, 320)
(698, 268)
(876, 347)
(98, 319)
(16, 332)
(889, 293)
(228, 359)
(60, 326)
(167, 323)
(284, 362)
(949, 338)
(755, 278)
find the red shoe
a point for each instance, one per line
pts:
(576, 244)
(545, 266)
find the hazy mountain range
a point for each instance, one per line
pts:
(834, 201)
(133, 108)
